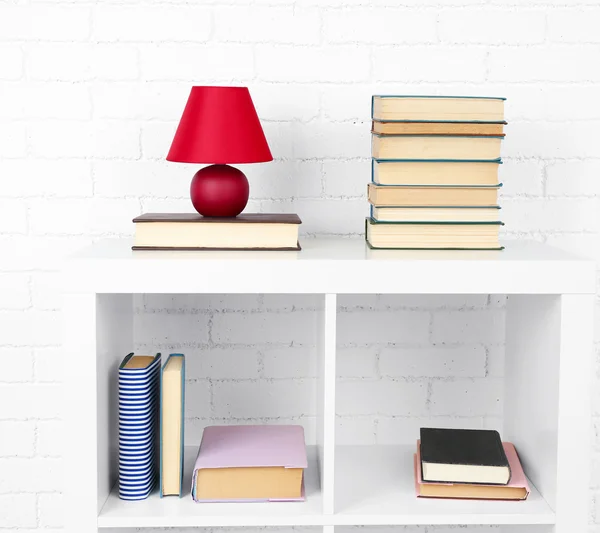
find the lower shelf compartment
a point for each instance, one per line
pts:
(184, 512)
(375, 486)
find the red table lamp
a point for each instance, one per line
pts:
(219, 126)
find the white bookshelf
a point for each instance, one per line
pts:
(549, 344)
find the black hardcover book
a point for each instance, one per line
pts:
(463, 456)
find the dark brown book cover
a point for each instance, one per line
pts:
(193, 249)
(250, 218)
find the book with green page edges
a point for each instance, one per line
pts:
(434, 172)
(414, 108)
(433, 195)
(428, 147)
(433, 235)
(426, 214)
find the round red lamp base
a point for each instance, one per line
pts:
(219, 191)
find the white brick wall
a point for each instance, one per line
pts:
(90, 94)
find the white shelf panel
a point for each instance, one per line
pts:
(184, 512)
(330, 265)
(375, 486)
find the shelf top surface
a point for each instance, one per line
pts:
(332, 264)
(330, 249)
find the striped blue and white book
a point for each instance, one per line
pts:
(139, 382)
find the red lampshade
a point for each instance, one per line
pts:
(219, 125)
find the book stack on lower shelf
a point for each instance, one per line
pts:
(468, 464)
(434, 181)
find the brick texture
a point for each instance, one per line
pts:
(91, 95)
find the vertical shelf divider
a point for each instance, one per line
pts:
(549, 348)
(574, 411)
(81, 408)
(531, 376)
(114, 330)
(99, 333)
(326, 377)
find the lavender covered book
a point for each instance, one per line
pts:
(250, 463)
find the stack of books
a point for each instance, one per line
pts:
(434, 181)
(138, 423)
(250, 464)
(468, 464)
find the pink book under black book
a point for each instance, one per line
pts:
(516, 489)
(250, 464)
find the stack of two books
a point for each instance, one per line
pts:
(434, 182)
(468, 464)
